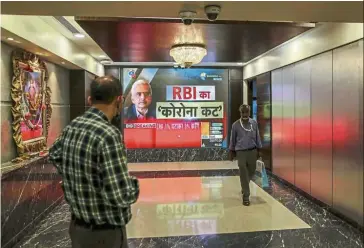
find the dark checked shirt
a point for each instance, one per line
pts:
(91, 158)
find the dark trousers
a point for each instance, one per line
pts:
(85, 237)
(247, 164)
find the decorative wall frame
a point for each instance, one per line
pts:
(31, 97)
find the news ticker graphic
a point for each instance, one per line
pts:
(190, 110)
(165, 126)
(190, 93)
(141, 125)
(212, 134)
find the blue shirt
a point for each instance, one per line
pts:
(243, 139)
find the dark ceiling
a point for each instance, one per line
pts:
(149, 40)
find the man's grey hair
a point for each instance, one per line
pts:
(243, 106)
(141, 82)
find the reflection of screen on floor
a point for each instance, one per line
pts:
(197, 226)
(168, 108)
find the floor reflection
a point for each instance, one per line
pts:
(209, 205)
(197, 212)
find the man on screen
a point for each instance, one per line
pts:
(141, 97)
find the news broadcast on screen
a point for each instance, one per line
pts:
(175, 108)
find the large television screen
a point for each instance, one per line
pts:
(175, 108)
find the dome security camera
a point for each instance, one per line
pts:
(187, 17)
(212, 12)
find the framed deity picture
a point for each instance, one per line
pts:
(31, 102)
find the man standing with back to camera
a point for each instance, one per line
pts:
(90, 156)
(244, 145)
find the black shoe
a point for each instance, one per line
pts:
(246, 201)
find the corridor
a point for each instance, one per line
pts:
(180, 88)
(199, 205)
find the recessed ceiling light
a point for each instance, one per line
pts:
(10, 38)
(79, 35)
(102, 56)
(240, 63)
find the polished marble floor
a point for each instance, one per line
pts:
(205, 205)
(201, 210)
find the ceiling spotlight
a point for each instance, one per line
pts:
(10, 39)
(79, 35)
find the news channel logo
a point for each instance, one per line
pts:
(204, 76)
(132, 74)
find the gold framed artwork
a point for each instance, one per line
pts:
(31, 102)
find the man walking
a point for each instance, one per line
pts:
(244, 145)
(90, 156)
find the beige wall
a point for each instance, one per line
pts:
(60, 100)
